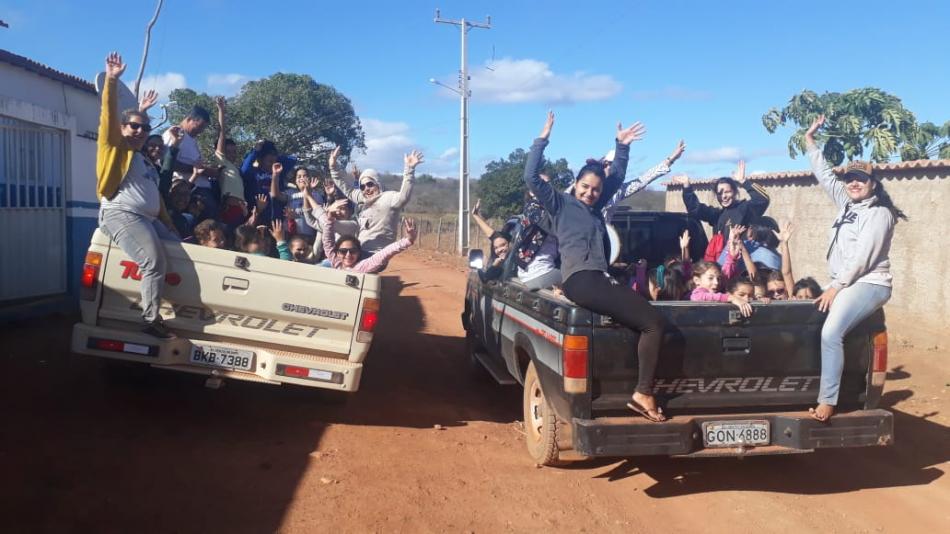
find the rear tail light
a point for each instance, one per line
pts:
(294, 371)
(90, 276)
(574, 363)
(879, 363)
(368, 320)
(116, 345)
(880, 353)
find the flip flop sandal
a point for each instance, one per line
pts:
(635, 406)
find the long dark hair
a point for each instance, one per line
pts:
(883, 199)
(670, 280)
(595, 168)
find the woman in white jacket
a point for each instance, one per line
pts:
(378, 211)
(857, 260)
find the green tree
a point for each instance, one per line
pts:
(302, 117)
(502, 188)
(856, 120)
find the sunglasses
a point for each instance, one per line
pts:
(344, 251)
(139, 126)
(848, 178)
(367, 185)
(778, 292)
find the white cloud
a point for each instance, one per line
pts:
(163, 83)
(386, 143)
(725, 154)
(226, 84)
(671, 92)
(449, 153)
(512, 81)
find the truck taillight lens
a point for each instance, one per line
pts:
(90, 275)
(368, 320)
(574, 355)
(879, 365)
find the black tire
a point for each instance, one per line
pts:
(540, 422)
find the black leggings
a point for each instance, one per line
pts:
(594, 291)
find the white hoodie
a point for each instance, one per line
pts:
(378, 217)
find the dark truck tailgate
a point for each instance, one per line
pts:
(714, 359)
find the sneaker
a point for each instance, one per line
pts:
(157, 329)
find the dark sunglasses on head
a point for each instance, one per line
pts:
(367, 184)
(139, 126)
(344, 251)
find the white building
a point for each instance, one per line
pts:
(48, 204)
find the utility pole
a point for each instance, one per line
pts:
(464, 93)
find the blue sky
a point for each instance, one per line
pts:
(702, 71)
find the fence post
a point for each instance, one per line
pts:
(438, 236)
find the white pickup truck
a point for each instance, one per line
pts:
(235, 315)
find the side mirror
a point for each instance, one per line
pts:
(476, 259)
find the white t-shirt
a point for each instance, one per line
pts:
(138, 190)
(188, 154)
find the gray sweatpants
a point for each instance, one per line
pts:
(140, 239)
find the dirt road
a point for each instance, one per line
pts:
(422, 447)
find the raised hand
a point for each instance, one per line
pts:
(261, 201)
(314, 183)
(634, 132)
(149, 100)
(739, 175)
(684, 240)
(276, 169)
(252, 218)
(177, 135)
(548, 124)
(736, 232)
(333, 157)
(677, 152)
(477, 209)
(114, 65)
(785, 233)
(681, 179)
(220, 103)
(413, 159)
(355, 171)
(337, 208)
(810, 133)
(409, 226)
(277, 230)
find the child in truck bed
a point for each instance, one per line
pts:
(706, 278)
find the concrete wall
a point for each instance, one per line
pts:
(919, 310)
(30, 97)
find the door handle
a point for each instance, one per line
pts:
(736, 346)
(235, 284)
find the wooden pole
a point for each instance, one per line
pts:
(148, 40)
(438, 236)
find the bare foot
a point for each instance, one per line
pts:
(645, 405)
(823, 412)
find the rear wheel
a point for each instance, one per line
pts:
(540, 423)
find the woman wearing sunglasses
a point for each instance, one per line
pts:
(131, 211)
(379, 211)
(857, 260)
(345, 252)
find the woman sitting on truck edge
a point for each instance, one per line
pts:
(577, 221)
(857, 260)
(132, 212)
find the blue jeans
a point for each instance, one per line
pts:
(140, 239)
(852, 305)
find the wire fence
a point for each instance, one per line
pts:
(439, 233)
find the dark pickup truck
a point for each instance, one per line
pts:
(731, 385)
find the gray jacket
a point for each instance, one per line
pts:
(860, 236)
(378, 217)
(580, 229)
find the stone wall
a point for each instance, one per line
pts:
(919, 310)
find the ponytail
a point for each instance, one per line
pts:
(884, 199)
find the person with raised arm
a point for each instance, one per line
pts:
(379, 211)
(732, 211)
(132, 212)
(857, 260)
(641, 182)
(345, 252)
(577, 221)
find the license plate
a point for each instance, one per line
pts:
(735, 433)
(223, 357)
